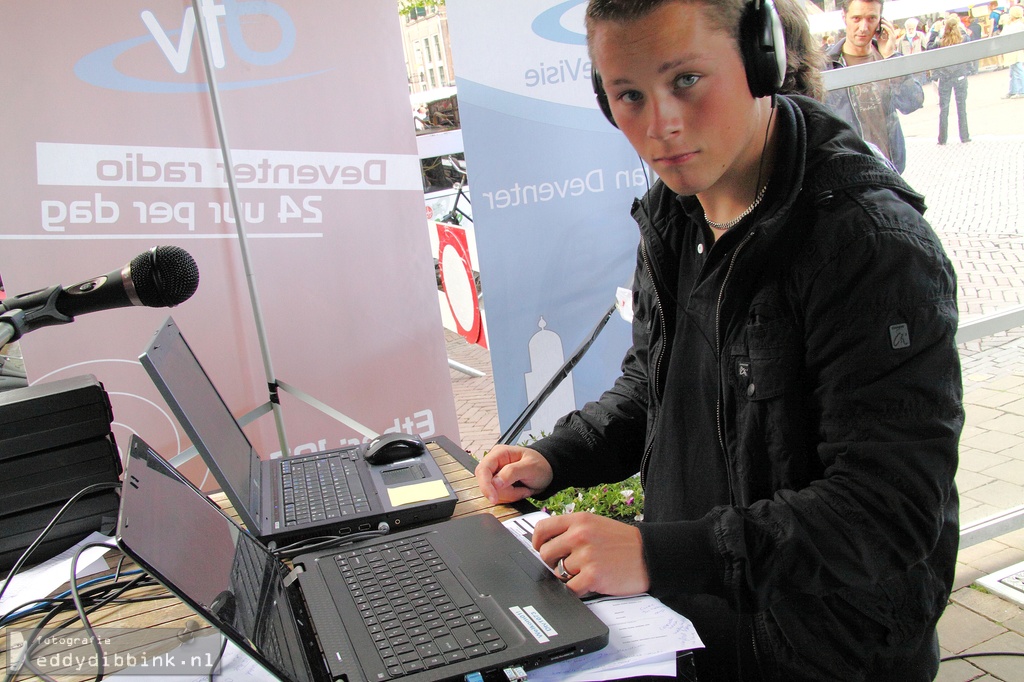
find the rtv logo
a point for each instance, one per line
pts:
(178, 56)
(222, 23)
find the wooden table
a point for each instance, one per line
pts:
(174, 616)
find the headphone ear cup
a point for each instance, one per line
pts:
(763, 46)
(602, 96)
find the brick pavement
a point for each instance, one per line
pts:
(475, 404)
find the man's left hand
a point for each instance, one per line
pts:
(601, 555)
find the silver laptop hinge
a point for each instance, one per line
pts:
(293, 575)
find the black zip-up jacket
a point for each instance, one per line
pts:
(792, 400)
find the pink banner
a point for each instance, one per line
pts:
(110, 147)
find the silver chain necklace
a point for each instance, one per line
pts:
(741, 216)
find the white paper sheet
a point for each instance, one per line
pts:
(643, 632)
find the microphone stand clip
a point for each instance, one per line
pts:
(32, 311)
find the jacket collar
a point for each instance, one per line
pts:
(835, 53)
(658, 213)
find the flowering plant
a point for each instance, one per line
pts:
(623, 501)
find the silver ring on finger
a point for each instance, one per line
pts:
(563, 574)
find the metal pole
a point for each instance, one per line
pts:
(465, 369)
(243, 243)
(512, 432)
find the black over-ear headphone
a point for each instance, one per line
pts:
(762, 46)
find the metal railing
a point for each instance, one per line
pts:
(975, 50)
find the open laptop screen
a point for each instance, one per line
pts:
(220, 570)
(203, 415)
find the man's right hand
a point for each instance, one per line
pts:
(509, 473)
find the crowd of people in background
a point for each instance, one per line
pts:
(872, 108)
(915, 34)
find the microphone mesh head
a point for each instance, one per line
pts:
(164, 276)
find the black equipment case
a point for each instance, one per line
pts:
(55, 440)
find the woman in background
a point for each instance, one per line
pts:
(952, 79)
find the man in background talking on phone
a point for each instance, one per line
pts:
(871, 108)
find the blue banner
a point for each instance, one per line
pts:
(552, 184)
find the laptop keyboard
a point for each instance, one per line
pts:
(244, 607)
(322, 488)
(418, 614)
(248, 581)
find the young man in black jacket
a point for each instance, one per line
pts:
(792, 398)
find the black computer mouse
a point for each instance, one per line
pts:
(391, 447)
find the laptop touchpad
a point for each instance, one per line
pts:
(531, 565)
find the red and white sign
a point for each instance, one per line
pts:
(461, 293)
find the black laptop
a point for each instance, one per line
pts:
(289, 499)
(440, 602)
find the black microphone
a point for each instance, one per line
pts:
(162, 277)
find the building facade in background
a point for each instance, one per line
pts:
(428, 55)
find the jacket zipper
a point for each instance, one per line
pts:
(661, 353)
(754, 625)
(718, 354)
